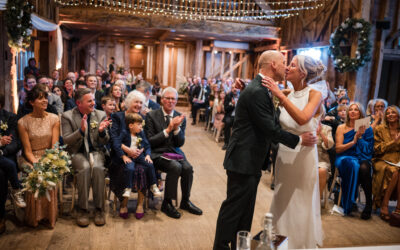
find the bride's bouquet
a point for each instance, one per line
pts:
(46, 173)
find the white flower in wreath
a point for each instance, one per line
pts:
(93, 124)
(332, 35)
(357, 26)
(29, 32)
(3, 126)
(358, 54)
(344, 25)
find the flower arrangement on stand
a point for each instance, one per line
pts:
(182, 84)
(45, 174)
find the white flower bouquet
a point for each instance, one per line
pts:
(45, 174)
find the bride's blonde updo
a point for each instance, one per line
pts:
(313, 68)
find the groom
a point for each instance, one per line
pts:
(255, 127)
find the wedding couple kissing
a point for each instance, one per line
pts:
(295, 205)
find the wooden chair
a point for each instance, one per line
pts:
(336, 179)
(200, 112)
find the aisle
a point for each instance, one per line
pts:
(157, 231)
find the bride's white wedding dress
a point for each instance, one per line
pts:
(296, 202)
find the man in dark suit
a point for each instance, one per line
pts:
(254, 128)
(9, 147)
(200, 98)
(230, 102)
(165, 130)
(91, 82)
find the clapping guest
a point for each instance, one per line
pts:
(230, 102)
(386, 181)
(85, 132)
(38, 131)
(165, 130)
(354, 152)
(378, 110)
(91, 82)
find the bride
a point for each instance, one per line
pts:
(296, 204)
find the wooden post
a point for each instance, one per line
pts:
(222, 66)
(231, 64)
(240, 66)
(212, 62)
(13, 76)
(199, 56)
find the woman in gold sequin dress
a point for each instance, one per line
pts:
(38, 131)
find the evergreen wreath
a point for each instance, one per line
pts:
(344, 63)
(18, 22)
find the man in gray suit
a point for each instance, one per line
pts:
(84, 131)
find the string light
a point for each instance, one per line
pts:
(229, 10)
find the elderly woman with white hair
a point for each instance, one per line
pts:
(143, 174)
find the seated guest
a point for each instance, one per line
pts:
(55, 76)
(116, 95)
(29, 83)
(149, 104)
(108, 105)
(131, 139)
(230, 102)
(377, 114)
(54, 100)
(219, 111)
(333, 112)
(134, 104)
(9, 147)
(31, 68)
(69, 87)
(70, 104)
(84, 131)
(57, 90)
(354, 152)
(156, 90)
(26, 107)
(91, 82)
(339, 94)
(335, 121)
(165, 130)
(38, 131)
(386, 181)
(201, 94)
(325, 142)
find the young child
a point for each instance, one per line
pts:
(137, 140)
(108, 105)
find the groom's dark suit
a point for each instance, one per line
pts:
(254, 128)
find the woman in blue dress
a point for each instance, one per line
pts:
(354, 152)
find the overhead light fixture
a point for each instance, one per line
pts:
(138, 46)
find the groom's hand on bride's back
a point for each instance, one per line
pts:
(308, 139)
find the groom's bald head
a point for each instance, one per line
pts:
(272, 64)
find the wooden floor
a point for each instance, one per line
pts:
(157, 231)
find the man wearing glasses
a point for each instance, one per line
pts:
(165, 130)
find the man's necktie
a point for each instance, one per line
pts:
(167, 120)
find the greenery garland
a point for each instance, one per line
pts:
(344, 63)
(18, 22)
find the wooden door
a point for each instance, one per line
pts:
(137, 60)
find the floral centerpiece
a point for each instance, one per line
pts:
(46, 173)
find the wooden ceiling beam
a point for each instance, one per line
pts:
(164, 35)
(105, 19)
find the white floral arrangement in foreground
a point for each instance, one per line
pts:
(45, 174)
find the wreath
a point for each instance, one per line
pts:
(344, 63)
(18, 22)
